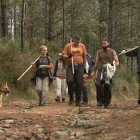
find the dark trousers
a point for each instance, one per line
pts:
(85, 93)
(139, 86)
(103, 93)
(76, 78)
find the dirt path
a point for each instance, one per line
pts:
(25, 120)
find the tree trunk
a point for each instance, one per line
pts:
(102, 18)
(63, 23)
(110, 22)
(46, 20)
(4, 18)
(11, 26)
(22, 24)
(15, 18)
(50, 24)
(71, 18)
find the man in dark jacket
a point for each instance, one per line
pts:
(135, 53)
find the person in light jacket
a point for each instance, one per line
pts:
(60, 74)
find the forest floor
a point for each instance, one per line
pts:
(25, 120)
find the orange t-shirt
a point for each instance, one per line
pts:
(78, 51)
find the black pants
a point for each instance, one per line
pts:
(76, 78)
(139, 86)
(103, 93)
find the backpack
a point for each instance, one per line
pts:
(33, 80)
(90, 63)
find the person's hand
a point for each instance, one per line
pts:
(85, 76)
(42, 66)
(123, 51)
(71, 55)
(32, 63)
(95, 77)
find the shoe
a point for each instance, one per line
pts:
(107, 107)
(70, 101)
(42, 104)
(78, 104)
(74, 101)
(85, 102)
(63, 99)
(57, 99)
(99, 103)
(139, 101)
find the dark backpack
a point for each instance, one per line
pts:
(33, 80)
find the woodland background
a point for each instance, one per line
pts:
(27, 24)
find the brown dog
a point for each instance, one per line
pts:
(4, 89)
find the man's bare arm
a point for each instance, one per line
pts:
(116, 58)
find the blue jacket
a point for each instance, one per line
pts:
(90, 63)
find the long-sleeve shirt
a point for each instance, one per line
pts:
(59, 70)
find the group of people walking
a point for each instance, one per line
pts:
(69, 72)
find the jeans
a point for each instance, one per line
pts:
(85, 93)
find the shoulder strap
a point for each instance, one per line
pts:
(48, 58)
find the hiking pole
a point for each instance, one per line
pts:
(27, 69)
(130, 49)
(72, 56)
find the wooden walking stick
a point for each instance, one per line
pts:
(27, 69)
(130, 49)
(72, 56)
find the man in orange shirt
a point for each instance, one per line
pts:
(78, 51)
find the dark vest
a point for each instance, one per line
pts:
(43, 72)
(105, 57)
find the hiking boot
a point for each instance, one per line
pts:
(85, 102)
(107, 107)
(99, 103)
(70, 101)
(57, 99)
(63, 99)
(139, 101)
(78, 104)
(42, 104)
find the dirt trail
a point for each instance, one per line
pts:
(26, 120)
